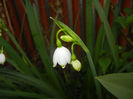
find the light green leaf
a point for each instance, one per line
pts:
(120, 84)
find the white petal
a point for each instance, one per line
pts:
(2, 58)
(68, 57)
(62, 56)
(55, 59)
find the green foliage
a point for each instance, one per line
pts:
(103, 56)
(89, 25)
(124, 21)
(120, 84)
(108, 32)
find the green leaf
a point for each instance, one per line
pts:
(108, 32)
(20, 65)
(39, 41)
(129, 11)
(104, 63)
(129, 19)
(121, 21)
(120, 84)
(100, 40)
(71, 33)
(11, 93)
(89, 25)
(43, 86)
(27, 67)
(52, 38)
(36, 32)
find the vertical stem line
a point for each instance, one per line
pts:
(93, 70)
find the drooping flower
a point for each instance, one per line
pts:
(62, 56)
(2, 58)
(76, 65)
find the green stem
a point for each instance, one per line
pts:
(2, 50)
(72, 49)
(58, 42)
(93, 70)
(92, 67)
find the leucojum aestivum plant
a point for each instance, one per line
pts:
(62, 55)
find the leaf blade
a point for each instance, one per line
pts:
(120, 84)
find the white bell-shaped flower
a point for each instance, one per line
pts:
(2, 58)
(62, 56)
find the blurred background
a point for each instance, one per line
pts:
(74, 13)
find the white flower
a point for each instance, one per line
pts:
(76, 65)
(2, 58)
(62, 56)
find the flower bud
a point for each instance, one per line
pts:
(2, 58)
(76, 65)
(66, 38)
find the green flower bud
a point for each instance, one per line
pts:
(76, 65)
(66, 38)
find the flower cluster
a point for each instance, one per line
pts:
(62, 55)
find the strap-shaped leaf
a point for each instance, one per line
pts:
(43, 86)
(11, 93)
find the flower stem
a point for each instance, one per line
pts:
(93, 70)
(92, 67)
(1, 50)
(58, 42)
(72, 49)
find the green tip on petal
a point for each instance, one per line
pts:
(63, 66)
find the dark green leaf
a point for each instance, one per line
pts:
(104, 63)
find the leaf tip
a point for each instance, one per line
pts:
(51, 18)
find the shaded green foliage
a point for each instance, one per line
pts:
(103, 56)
